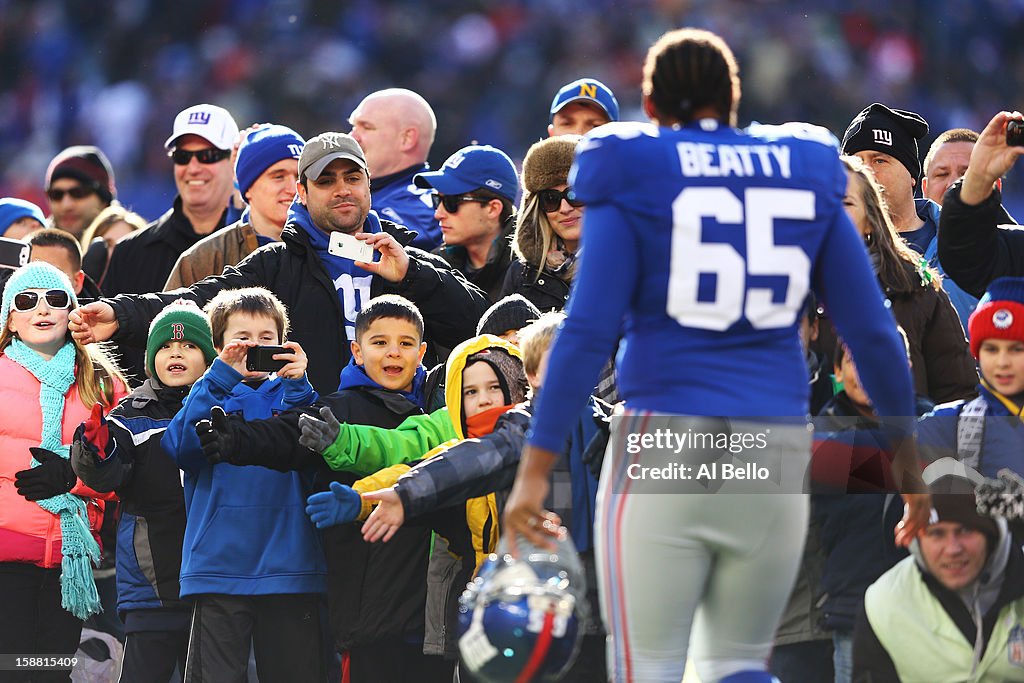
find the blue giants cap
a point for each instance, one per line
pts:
(588, 90)
(472, 167)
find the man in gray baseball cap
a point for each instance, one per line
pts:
(325, 148)
(323, 291)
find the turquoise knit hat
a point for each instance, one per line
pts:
(180, 320)
(35, 275)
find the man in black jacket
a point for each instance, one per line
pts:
(976, 245)
(323, 292)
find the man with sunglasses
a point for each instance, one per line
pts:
(200, 150)
(79, 184)
(474, 195)
(322, 289)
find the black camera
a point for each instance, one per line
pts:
(1015, 133)
(261, 358)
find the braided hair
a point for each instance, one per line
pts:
(687, 70)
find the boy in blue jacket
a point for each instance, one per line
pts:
(985, 434)
(251, 560)
(123, 454)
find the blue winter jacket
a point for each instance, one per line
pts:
(1002, 441)
(247, 531)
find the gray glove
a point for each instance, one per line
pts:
(318, 435)
(1002, 497)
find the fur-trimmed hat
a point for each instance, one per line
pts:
(547, 163)
(1000, 313)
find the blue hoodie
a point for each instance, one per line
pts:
(247, 531)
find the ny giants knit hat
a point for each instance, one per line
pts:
(261, 149)
(892, 131)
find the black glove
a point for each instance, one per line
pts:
(216, 438)
(53, 477)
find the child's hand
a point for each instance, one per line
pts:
(93, 436)
(318, 435)
(296, 368)
(387, 517)
(216, 438)
(52, 477)
(339, 505)
(234, 353)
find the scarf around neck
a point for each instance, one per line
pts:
(78, 547)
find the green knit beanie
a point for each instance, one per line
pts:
(181, 320)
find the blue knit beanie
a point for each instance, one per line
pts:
(35, 275)
(13, 209)
(261, 149)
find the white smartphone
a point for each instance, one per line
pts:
(347, 246)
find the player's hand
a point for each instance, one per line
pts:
(339, 505)
(318, 435)
(991, 158)
(216, 438)
(93, 322)
(297, 361)
(525, 515)
(394, 261)
(387, 517)
(52, 477)
(917, 509)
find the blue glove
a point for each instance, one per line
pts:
(339, 505)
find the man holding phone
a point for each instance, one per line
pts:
(973, 245)
(323, 292)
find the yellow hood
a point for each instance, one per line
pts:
(457, 363)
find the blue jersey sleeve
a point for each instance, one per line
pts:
(602, 290)
(845, 282)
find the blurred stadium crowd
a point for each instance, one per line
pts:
(115, 72)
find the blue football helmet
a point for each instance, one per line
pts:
(522, 620)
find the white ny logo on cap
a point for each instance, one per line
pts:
(882, 136)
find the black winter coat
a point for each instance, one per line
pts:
(547, 292)
(376, 591)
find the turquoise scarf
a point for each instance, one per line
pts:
(77, 586)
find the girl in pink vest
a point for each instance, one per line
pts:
(49, 520)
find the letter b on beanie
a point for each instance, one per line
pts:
(179, 321)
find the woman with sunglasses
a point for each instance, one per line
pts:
(547, 236)
(49, 520)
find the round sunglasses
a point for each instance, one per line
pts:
(27, 301)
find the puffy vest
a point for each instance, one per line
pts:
(924, 643)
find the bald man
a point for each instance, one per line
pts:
(395, 128)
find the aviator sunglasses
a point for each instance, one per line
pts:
(55, 298)
(210, 155)
(551, 200)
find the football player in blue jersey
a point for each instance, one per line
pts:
(700, 246)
